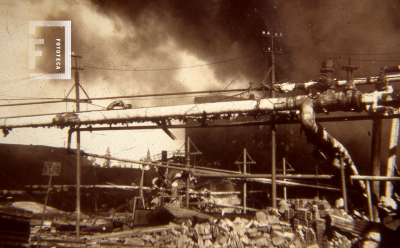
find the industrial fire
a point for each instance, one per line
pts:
(201, 195)
(194, 124)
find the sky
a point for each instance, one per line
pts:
(147, 47)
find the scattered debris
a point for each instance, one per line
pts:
(296, 223)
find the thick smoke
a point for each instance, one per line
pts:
(149, 34)
(219, 30)
(210, 30)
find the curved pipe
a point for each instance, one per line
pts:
(319, 136)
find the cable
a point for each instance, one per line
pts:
(103, 108)
(167, 69)
(367, 54)
(32, 103)
(233, 80)
(29, 82)
(23, 79)
(29, 98)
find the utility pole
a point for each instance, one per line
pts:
(78, 144)
(271, 70)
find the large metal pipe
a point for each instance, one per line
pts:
(329, 102)
(289, 86)
(321, 137)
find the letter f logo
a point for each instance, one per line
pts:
(32, 51)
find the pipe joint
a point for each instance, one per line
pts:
(382, 83)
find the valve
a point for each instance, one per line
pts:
(325, 79)
(350, 83)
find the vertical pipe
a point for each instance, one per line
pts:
(284, 173)
(394, 138)
(371, 215)
(344, 190)
(273, 134)
(376, 156)
(244, 184)
(78, 154)
(187, 165)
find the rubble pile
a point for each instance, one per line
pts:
(297, 223)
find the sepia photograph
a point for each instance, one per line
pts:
(213, 123)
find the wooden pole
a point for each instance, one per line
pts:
(284, 173)
(244, 183)
(371, 215)
(394, 138)
(376, 157)
(273, 134)
(78, 150)
(188, 176)
(141, 187)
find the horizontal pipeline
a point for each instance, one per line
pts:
(204, 110)
(290, 86)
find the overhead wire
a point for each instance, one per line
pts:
(233, 80)
(170, 69)
(149, 97)
(45, 75)
(27, 78)
(238, 76)
(29, 98)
